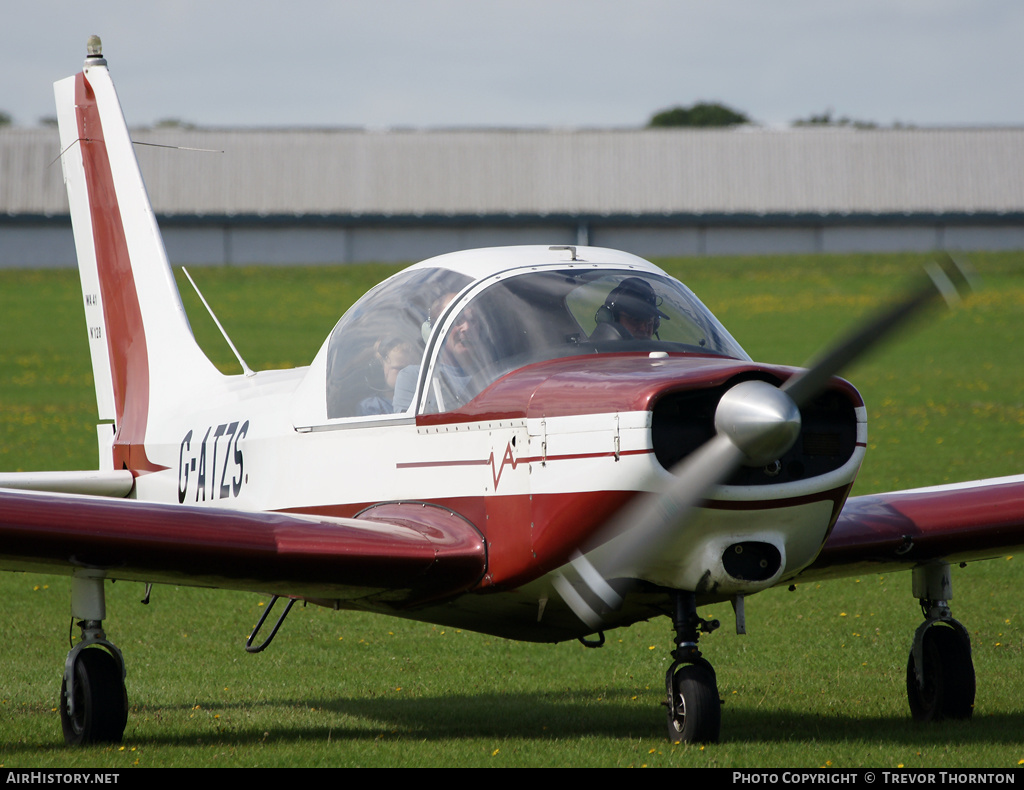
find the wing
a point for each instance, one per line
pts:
(883, 532)
(405, 553)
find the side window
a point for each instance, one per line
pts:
(378, 338)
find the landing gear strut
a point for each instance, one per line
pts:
(694, 708)
(940, 672)
(93, 700)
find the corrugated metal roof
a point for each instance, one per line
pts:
(878, 171)
(28, 184)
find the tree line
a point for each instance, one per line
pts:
(715, 114)
(699, 115)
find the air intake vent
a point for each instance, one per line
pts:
(683, 421)
(751, 561)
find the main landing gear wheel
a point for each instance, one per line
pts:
(696, 715)
(100, 703)
(948, 674)
(940, 672)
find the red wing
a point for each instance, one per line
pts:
(407, 553)
(883, 532)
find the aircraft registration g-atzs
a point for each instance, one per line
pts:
(540, 443)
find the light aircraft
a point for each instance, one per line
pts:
(540, 443)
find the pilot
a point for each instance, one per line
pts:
(630, 312)
(391, 355)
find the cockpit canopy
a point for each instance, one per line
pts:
(431, 339)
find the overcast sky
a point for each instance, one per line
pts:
(525, 63)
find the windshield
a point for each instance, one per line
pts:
(540, 315)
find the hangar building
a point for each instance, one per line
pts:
(227, 196)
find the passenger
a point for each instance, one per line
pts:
(456, 364)
(391, 355)
(630, 312)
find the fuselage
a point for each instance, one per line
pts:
(547, 447)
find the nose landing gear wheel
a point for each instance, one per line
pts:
(100, 710)
(696, 713)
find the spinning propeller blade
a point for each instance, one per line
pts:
(755, 424)
(945, 277)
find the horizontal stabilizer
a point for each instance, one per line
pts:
(115, 483)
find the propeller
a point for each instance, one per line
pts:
(755, 423)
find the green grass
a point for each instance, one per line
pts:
(818, 680)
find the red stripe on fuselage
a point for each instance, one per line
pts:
(535, 459)
(126, 336)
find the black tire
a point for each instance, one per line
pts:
(698, 716)
(949, 682)
(101, 702)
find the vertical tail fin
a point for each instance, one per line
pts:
(143, 350)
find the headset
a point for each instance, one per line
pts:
(632, 296)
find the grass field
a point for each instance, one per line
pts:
(818, 680)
